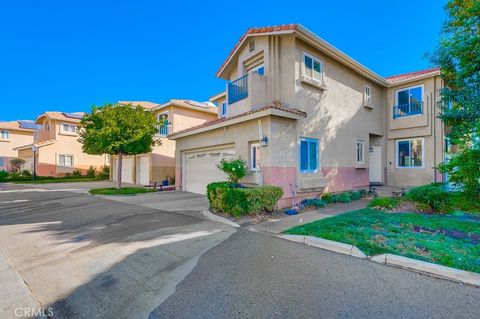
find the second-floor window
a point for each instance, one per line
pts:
(409, 101)
(368, 95)
(4, 135)
(223, 109)
(68, 128)
(259, 70)
(308, 155)
(313, 67)
(164, 124)
(65, 160)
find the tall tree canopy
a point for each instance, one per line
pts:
(458, 56)
(118, 129)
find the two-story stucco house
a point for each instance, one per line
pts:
(12, 135)
(309, 118)
(176, 115)
(56, 146)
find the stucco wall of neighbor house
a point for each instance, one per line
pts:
(16, 139)
(426, 126)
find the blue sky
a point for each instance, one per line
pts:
(69, 55)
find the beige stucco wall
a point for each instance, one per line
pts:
(16, 139)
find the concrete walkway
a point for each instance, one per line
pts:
(278, 225)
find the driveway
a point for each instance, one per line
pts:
(92, 257)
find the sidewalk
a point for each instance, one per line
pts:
(278, 225)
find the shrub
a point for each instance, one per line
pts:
(328, 198)
(433, 195)
(17, 164)
(77, 173)
(3, 176)
(464, 171)
(355, 195)
(26, 173)
(342, 198)
(317, 202)
(235, 201)
(235, 169)
(104, 173)
(383, 202)
(91, 172)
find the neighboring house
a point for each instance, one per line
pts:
(176, 115)
(14, 134)
(58, 151)
(309, 118)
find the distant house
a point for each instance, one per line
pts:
(12, 135)
(309, 118)
(175, 115)
(57, 148)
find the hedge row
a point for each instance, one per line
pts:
(238, 202)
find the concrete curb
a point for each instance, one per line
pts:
(217, 218)
(326, 244)
(466, 277)
(424, 267)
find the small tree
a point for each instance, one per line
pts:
(119, 130)
(235, 169)
(17, 164)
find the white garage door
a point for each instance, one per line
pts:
(201, 169)
(143, 170)
(127, 166)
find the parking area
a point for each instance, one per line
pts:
(82, 254)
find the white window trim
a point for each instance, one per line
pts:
(423, 153)
(252, 148)
(255, 69)
(314, 58)
(409, 88)
(360, 141)
(223, 107)
(68, 132)
(368, 98)
(2, 132)
(73, 163)
(303, 138)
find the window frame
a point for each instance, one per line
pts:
(64, 160)
(3, 163)
(421, 86)
(161, 126)
(397, 154)
(62, 128)
(308, 140)
(314, 58)
(360, 142)
(257, 167)
(4, 132)
(257, 68)
(368, 97)
(223, 109)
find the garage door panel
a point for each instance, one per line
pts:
(201, 169)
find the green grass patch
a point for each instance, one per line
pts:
(451, 240)
(56, 180)
(121, 191)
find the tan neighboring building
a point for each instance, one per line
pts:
(58, 151)
(309, 118)
(12, 135)
(159, 165)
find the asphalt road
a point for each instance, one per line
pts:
(154, 256)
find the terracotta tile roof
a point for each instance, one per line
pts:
(268, 29)
(61, 116)
(410, 75)
(145, 104)
(277, 105)
(14, 125)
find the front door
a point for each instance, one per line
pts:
(375, 165)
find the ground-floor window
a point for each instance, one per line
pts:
(308, 155)
(410, 152)
(3, 162)
(360, 151)
(65, 160)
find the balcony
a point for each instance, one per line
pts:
(164, 130)
(238, 89)
(407, 110)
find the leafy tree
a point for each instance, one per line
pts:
(17, 164)
(118, 129)
(458, 56)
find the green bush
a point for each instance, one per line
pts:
(104, 173)
(355, 195)
(3, 176)
(234, 169)
(77, 173)
(327, 198)
(383, 202)
(342, 198)
(433, 195)
(91, 172)
(242, 201)
(317, 202)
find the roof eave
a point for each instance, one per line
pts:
(414, 79)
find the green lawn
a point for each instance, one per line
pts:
(122, 191)
(57, 180)
(452, 240)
